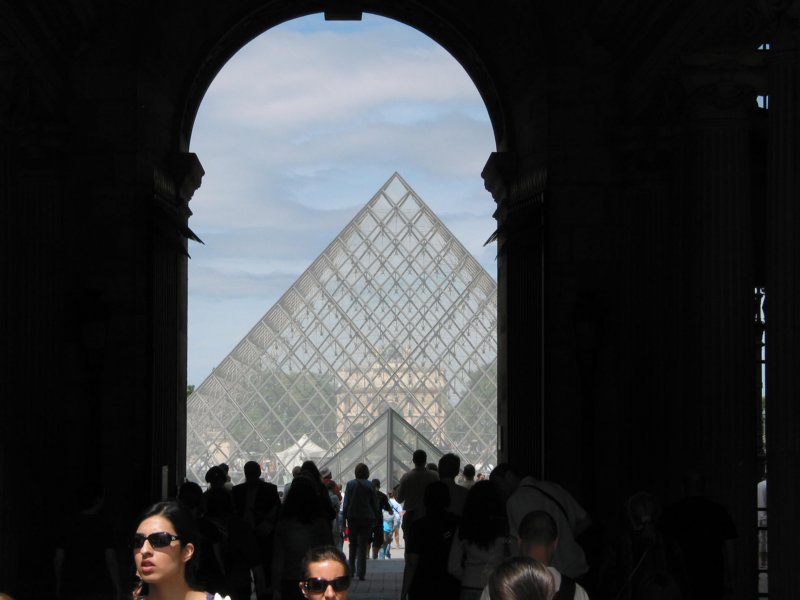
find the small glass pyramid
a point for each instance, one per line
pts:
(394, 314)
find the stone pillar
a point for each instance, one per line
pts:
(782, 311)
(520, 421)
(174, 184)
(722, 412)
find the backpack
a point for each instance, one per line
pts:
(567, 589)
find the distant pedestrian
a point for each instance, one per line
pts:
(411, 489)
(361, 515)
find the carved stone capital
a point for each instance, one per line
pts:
(498, 174)
(515, 191)
(510, 185)
(173, 187)
(722, 82)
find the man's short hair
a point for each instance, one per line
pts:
(252, 470)
(376, 483)
(449, 465)
(538, 528)
(469, 471)
(419, 457)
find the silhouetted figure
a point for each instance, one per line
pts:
(428, 549)
(337, 528)
(449, 466)
(85, 561)
(241, 558)
(226, 470)
(411, 489)
(210, 561)
(215, 478)
(527, 494)
(309, 469)
(705, 533)
(482, 540)
(362, 514)
(299, 528)
(383, 505)
(469, 476)
(257, 503)
(295, 472)
(190, 496)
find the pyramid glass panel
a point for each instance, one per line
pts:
(385, 344)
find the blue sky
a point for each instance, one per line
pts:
(297, 132)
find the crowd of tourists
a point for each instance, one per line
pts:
(466, 537)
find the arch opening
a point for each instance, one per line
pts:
(303, 142)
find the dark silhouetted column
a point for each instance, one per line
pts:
(782, 311)
(519, 299)
(722, 416)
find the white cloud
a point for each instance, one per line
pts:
(296, 134)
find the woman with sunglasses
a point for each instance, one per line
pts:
(326, 574)
(165, 551)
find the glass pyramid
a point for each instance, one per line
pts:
(386, 446)
(394, 314)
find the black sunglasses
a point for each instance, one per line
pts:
(159, 539)
(315, 585)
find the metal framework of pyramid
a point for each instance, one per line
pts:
(386, 446)
(394, 314)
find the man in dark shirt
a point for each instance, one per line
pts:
(257, 503)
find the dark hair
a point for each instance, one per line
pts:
(310, 467)
(538, 528)
(321, 553)
(469, 471)
(301, 502)
(361, 471)
(449, 465)
(484, 516)
(419, 457)
(190, 495)
(521, 578)
(376, 483)
(252, 470)
(215, 477)
(185, 528)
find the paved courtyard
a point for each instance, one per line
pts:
(384, 578)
